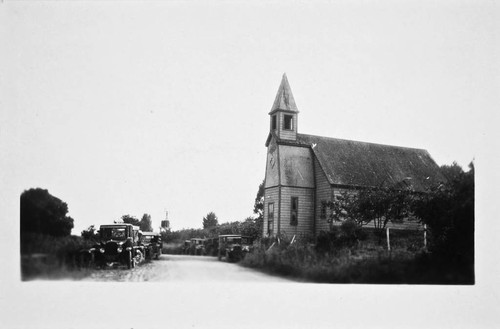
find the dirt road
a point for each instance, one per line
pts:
(183, 268)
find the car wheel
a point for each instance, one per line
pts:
(139, 257)
(130, 262)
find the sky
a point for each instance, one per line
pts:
(146, 107)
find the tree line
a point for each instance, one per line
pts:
(252, 227)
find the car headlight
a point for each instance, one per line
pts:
(119, 249)
(101, 250)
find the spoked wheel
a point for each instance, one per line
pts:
(139, 257)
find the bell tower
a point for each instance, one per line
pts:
(284, 113)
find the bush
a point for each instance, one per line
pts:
(349, 234)
(44, 255)
(302, 261)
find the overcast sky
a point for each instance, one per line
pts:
(131, 108)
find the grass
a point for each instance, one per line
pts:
(47, 257)
(366, 262)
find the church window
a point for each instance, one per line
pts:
(294, 211)
(270, 218)
(273, 122)
(288, 122)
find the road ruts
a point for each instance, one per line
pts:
(181, 268)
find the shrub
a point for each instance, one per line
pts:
(351, 232)
(45, 255)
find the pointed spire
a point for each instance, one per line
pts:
(284, 99)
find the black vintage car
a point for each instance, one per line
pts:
(119, 245)
(186, 246)
(233, 247)
(211, 246)
(152, 244)
(196, 246)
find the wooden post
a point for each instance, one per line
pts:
(388, 240)
(425, 236)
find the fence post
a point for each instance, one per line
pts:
(388, 240)
(425, 236)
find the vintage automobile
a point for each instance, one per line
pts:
(186, 246)
(119, 245)
(197, 247)
(233, 247)
(211, 246)
(152, 244)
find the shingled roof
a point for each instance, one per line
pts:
(361, 164)
(284, 99)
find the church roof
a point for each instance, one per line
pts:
(361, 164)
(284, 99)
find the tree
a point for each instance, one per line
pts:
(210, 221)
(229, 228)
(258, 208)
(250, 227)
(145, 223)
(130, 220)
(343, 207)
(90, 233)
(452, 172)
(448, 211)
(383, 205)
(43, 213)
(378, 205)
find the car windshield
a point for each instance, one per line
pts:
(245, 241)
(113, 233)
(146, 238)
(234, 240)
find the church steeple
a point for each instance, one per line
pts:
(284, 98)
(284, 113)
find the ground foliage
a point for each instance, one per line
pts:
(52, 257)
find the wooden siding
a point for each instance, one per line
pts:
(323, 193)
(287, 134)
(271, 195)
(272, 173)
(296, 166)
(305, 210)
(405, 225)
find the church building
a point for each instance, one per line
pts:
(303, 170)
